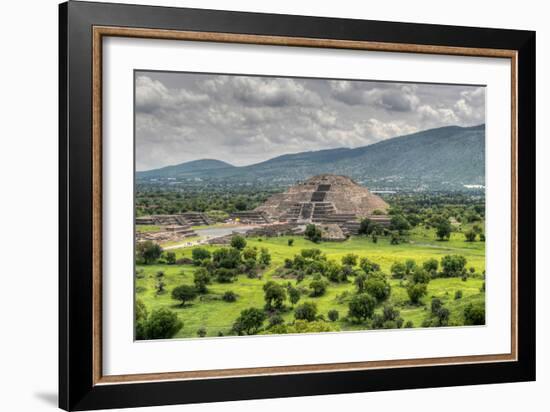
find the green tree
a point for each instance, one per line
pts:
(474, 314)
(416, 291)
(431, 266)
(200, 255)
(201, 278)
(274, 295)
(361, 307)
(249, 322)
(419, 275)
(313, 233)
(229, 296)
(293, 295)
(399, 223)
(184, 293)
(470, 236)
(398, 270)
(378, 287)
(290, 242)
(368, 266)
(306, 311)
(170, 258)
(333, 315)
(350, 259)
(453, 265)
(228, 258)
(250, 253)
(443, 229)
(224, 275)
(365, 226)
(265, 257)
(238, 242)
(162, 324)
(141, 315)
(318, 288)
(360, 281)
(148, 252)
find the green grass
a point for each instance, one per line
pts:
(148, 228)
(215, 315)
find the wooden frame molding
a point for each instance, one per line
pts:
(99, 32)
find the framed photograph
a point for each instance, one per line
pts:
(257, 205)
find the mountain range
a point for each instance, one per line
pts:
(449, 157)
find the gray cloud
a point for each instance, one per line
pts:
(247, 119)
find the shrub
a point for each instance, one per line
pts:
(141, 315)
(350, 259)
(162, 324)
(314, 254)
(229, 296)
(365, 227)
(160, 286)
(200, 255)
(170, 258)
(148, 252)
(228, 258)
(249, 322)
(238, 242)
(436, 305)
(470, 236)
(290, 242)
(333, 315)
(293, 295)
(318, 288)
(250, 253)
(265, 257)
(395, 238)
(201, 278)
(416, 291)
(333, 271)
(431, 266)
(453, 265)
(224, 275)
(368, 266)
(474, 314)
(313, 233)
(399, 223)
(361, 307)
(184, 293)
(443, 229)
(378, 287)
(303, 326)
(275, 320)
(419, 275)
(306, 311)
(409, 324)
(389, 319)
(458, 294)
(360, 281)
(201, 332)
(398, 270)
(274, 295)
(443, 316)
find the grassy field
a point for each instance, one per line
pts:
(216, 315)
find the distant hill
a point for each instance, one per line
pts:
(202, 166)
(435, 159)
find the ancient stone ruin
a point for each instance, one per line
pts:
(172, 227)
(326, 199)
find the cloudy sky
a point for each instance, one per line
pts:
(246, 119)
